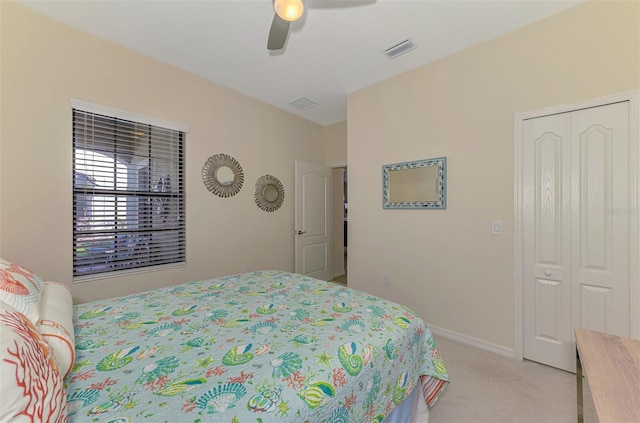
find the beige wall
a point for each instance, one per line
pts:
(45, 63)
(445, 264)
(0, 135)
(335, 144)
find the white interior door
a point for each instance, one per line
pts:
(313, 187)
(576, 222)
(547, 241)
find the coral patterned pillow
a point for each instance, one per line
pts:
(32, 387)
(21, 289)
(56, 324)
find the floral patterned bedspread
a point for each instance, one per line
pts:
(260, 347)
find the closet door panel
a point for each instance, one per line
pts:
(600, 235)
(548, 336)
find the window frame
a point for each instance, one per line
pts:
(151, 195)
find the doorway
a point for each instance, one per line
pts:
(341, 220)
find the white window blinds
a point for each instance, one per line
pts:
(128, 194)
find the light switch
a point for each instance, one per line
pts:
(496, 227)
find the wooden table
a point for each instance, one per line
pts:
(611, 365)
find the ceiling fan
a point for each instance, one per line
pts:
(287, 11)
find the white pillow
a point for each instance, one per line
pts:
(56, 324)
(20, 288)
(32, 388)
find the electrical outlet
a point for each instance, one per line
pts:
(387, 279)
(244, 269)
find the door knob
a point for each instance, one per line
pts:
(300, 232)
(547, 272)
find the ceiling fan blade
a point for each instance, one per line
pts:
(278, 33)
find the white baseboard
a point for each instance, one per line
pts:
(473, 342)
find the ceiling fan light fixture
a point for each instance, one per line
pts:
(289, 10)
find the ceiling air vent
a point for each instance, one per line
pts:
(400, 48)
(303, 103)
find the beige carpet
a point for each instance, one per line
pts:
(487, 387)
(342, 280)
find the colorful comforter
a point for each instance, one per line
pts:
(261, 347)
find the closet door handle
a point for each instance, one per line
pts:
(547, 272)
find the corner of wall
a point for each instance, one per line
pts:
(335, 144)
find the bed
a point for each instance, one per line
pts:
(266, 346)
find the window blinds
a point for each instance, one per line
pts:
(128, 194)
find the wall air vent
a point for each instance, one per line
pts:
(402, 47)
(303, 103)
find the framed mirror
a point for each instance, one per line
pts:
(268, 193)
(222, 175)
(420, 184)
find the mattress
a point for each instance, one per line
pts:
(266, 346)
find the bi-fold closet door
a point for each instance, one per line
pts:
(576, 222)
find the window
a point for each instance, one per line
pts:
(128, 194)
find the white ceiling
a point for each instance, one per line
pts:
(335, 49)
